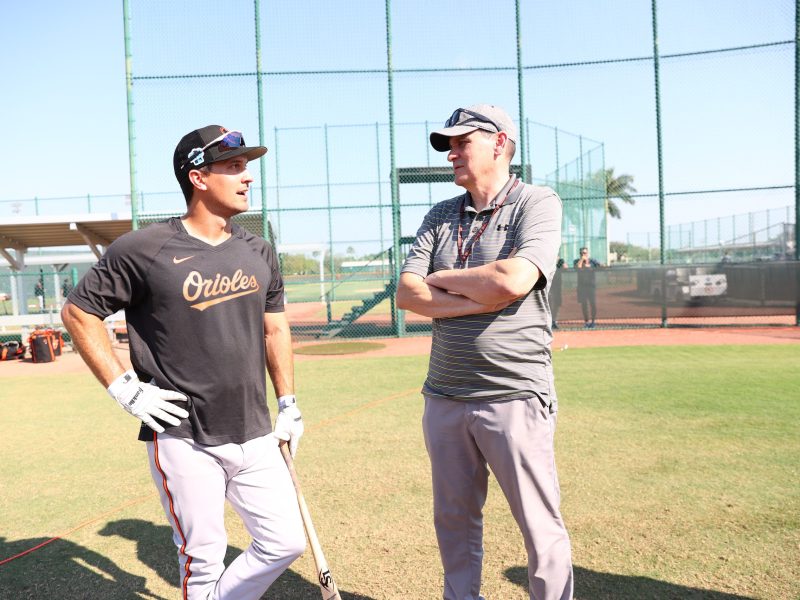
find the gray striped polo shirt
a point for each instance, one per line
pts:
(503, 355)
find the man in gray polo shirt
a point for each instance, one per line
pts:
(480, 267)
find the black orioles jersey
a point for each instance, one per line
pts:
(194, 315)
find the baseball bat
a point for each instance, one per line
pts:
(327, 586)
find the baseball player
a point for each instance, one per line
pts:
(203, 301)
(480, 266)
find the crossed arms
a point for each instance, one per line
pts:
(459, 292)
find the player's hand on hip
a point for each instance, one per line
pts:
(289, 424)
(146, 401)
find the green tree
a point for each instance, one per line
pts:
(632, 253)
(619, 186)
(298, 264)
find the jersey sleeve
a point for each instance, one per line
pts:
(538, 233)
(116, 281)
(275, 292)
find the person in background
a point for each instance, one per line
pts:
(587, 286)
(66, 287)
(38, 291)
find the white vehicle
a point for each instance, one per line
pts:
(707, 286)
(681, 286)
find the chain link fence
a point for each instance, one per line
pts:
(345, 96)
(37, 292)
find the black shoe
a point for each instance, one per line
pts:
(555, 325)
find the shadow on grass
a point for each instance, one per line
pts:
(593, 585)
(291, 586)
(63, 569)
(155, 549)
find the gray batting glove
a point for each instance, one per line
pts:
(147, 402)
(289, 424)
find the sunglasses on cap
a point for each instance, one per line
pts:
(227, 141)
(473, 116)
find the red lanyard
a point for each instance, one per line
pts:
(463, 256)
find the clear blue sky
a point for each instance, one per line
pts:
(63, 93)
(727, 118)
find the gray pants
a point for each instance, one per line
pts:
(515, 438)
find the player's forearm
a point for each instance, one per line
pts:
(499, 281)
(90, 339)
(280, 361)
(415, 295)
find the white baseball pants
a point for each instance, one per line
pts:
(194, 481)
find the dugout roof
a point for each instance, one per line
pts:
(96, 230)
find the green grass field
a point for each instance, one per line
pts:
(678, 467)
(333, 348)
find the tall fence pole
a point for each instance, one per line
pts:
(126, 18)
(661, 226)
(605, 199)
(797, 154)
(558, 174)
(428, 159)
(380, 192)
(398, 315)
(267, 232)
(277, 184)
(587, 240)
(526, 176)
(331, 260)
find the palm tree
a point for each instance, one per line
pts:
(620, 187)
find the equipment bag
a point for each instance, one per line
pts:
(41, 343)
(58, 341)
(11, 350)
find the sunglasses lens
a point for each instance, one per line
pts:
(232, 140)
(453, 118)
(470, 118)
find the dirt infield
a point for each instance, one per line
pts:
(727, 336)
(70, 362)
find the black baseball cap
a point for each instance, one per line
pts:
(208, 145)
